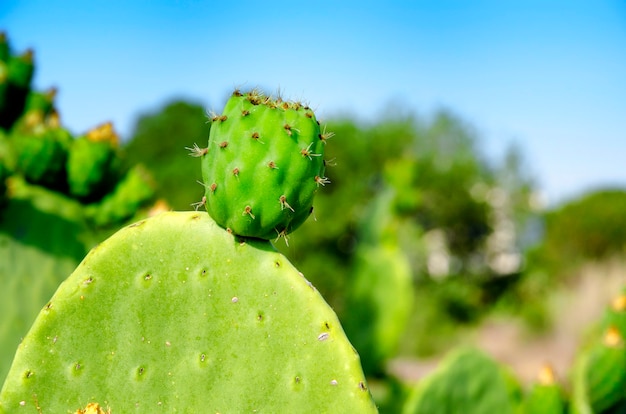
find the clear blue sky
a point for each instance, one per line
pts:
(548, 75)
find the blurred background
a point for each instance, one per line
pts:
(478, 184)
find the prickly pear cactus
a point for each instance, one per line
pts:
(615, 315)
(91, 164)
(16, 72)
(132, 192)
(468, 382)
(599, 381)
(380, 290)
(174, 314)
(40, 146)
(263, 165)
(4, 174)
(545, 396)
(43, 237)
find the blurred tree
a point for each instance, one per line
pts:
(588, 228)
(159, 141)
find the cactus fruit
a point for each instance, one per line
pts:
(41, 101)
(92, 163)
(40, 146)
(545, 396)
(468, 382)
(16, 73)
(5, 52)
(130, 194)
(600, 374)
(218, 324)
(263, 165)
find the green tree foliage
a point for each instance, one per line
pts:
(590, 227)
(159, 141)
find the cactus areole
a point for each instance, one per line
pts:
(263, 165)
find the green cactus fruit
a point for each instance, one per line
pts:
(468, 382)
(93, 163)
(5, 50)
(17, 74)
(21, 70)
(545, 396)
(40, 150)
(132, 192)
(174, 314)
(41, 101)
(600, 374)
(263, 165)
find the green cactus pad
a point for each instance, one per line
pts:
(43, 238)
(263, 165)
(600, 374)
(545, 396)
(174, 314)
(379, 303)
(468, 382)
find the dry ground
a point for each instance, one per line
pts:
(575, 309)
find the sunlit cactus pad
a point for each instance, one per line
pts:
(174, 314)
(263, 165)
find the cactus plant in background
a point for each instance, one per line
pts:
(467, 381)
(545, 396)
(130, 194)
(599, 375)
(16, 73)
(263, 165)
(380, 291)
(43, 236)
(40, 148)
(92, 164)
(44, 230)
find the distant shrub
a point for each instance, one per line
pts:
(592, 227)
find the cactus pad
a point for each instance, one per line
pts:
(545, 396)
(600, 374)
(263, 165)
(468, 381)
(174, 314)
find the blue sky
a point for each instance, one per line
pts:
(547, 75)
